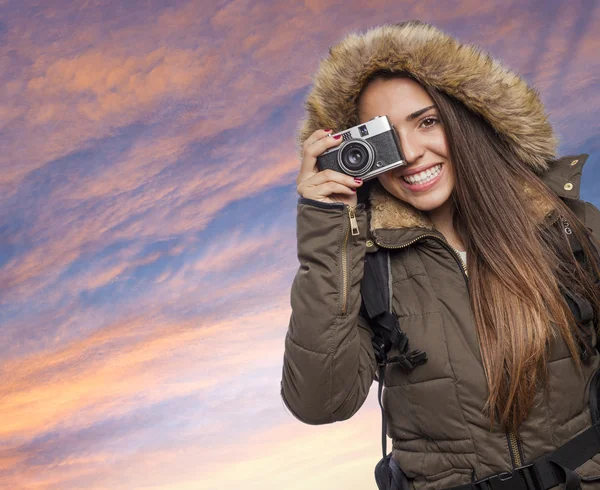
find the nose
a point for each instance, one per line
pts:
(412, 147)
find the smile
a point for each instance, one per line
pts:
(423, 181)
(424, 176)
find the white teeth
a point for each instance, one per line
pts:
(423, 177)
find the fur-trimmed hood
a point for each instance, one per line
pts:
(432, 57)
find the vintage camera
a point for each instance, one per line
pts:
(368, 150)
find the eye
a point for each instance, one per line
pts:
(429, 121)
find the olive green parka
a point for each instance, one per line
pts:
(435, 414)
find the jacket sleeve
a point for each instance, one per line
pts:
(328, 364)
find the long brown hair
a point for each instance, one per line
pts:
(519, 264)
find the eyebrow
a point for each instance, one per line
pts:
(414, 115)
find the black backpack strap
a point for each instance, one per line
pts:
(580, 307)
(375, 291)
(376, 307)
(548, 471)
(374, 287)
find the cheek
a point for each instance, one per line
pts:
(437, 143)
(450, 180)
(440, 147)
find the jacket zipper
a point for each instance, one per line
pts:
(516, 454)
(352, 228)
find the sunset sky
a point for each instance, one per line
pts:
(147, 228)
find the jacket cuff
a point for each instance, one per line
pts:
(321, 204)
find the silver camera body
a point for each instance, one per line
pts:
(368, 150)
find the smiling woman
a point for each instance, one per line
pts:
(508, 395)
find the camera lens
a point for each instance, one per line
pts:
(355, 157)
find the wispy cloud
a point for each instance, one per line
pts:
(78, 389)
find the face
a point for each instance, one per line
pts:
(427, 180)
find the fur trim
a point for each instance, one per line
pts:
(389, 212)
(463, 71)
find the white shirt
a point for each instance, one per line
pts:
(463, 256)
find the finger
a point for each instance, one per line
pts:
(322, 145)
(334, 176)
(305, 182)
(308, 166)
(322, 191)
(317, 135)
(309, 160)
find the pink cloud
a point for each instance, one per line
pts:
(236, 251)
(60, 388)
(64, 243)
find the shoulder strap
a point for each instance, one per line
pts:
(376, 292)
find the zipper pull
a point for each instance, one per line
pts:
(353, 222)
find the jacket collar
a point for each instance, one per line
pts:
(395, 223)
(564, 175)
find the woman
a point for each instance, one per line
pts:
(511, 346)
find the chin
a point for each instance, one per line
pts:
(429, 203)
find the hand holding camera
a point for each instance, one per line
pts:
(347, 159)
(326, 185)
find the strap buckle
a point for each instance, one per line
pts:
(515, 480)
